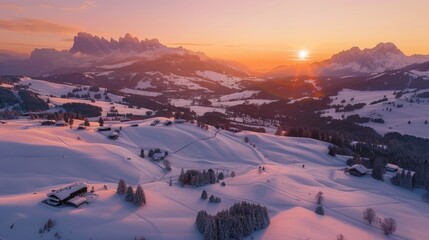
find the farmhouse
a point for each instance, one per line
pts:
(357, 170)
(70, 194)
(158, 156)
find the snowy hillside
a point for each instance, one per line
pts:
(406, 114)
(36, 159)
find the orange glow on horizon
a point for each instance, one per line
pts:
(259, 34)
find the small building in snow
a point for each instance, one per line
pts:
(70, 194)
(167, 123)
(114, 135)
(60, 123)
(158, 156)
(357, 170)
(391, 167)
(104, 128)
(178, 120)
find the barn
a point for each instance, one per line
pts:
(357, 170)
(70, 194)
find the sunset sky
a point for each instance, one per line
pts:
(259, 33)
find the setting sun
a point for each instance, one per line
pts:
(302, 54)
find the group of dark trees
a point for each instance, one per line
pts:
(212, 199)
(199, 178)
(403, 179)
(241, 220)
(86, 110)
(31, 102)
(138, 197)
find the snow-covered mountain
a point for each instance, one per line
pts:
(383, 57)
(355, 62)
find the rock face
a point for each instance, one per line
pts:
(95, 46)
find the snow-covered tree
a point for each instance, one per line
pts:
(319, 210)
(369, 215)
(204, 195)
(340, 237)
(388, 225)
(378, 170)
(86, 122)
(319, 197)
(130, 194)
(122, 187)
(220, 176)
(100, 121)
(142, 153)
(139, 197)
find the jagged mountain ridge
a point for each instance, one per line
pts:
(86, 43)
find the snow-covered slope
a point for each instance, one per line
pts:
(36, 159)
(396, 112)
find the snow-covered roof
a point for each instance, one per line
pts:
(65, 192)
(179, 120)
(360, 168)
(77, 200)
(391, 166)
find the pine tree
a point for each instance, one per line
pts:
(204, 195)
(86, 122)
(319, 197)
(130, 194)
(220, 176)
(182, 176)
(122, 187)
(150, 154)
(100, 121)
(408, 181)
(319, 210)
(71, 121)
(139, 198)
(142, 153)
(378, 170)
(395, 180)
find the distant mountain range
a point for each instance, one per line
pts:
(354, 62)
(130, 63)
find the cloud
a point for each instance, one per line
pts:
(191, 44)
(85, 5)
(35, 26)
(11, 6)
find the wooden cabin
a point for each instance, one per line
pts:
(70, 194)
(357, 170)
